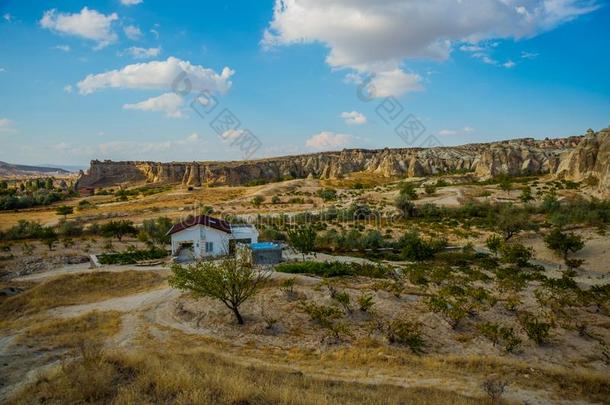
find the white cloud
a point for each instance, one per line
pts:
(132, 32)
(158, 75)
(88, 24)
(328, 140)
(451, 132)
(6, 125)
(231, 134)
(353, 118)
(68, 88)
(509, 64)
(169, 103)
(63, 48)
(130, 2)
(8, 17)
(142, 53)
(529, 55)
(376, 37)
(2, 69)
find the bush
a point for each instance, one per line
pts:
(500, 335)
(414, 248)
(334, 269)
(516, 253)
(343, 299)
(536, 329)
(327, 194)
(365, 302)
(132, 257)
(407, 333)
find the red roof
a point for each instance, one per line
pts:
(216, 223)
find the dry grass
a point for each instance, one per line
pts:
(186, 377)
(91, 328)
(76, 289)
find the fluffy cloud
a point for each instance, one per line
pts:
(68, 88)
(63, 48)
(157, 75)
(6, 125)
(169, 103)
(132, 32)
(353, 118)
(88, 24)
(376, 37)
(130, 2)
(450, 132)
(142, 53)
(328, 140)
(7, 17)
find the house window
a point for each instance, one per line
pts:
(209, 247)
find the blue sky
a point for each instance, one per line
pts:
(87, 80)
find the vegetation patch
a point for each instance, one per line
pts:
(133, 256)
(335, 269)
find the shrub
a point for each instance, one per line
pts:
(407, 333)
(327, 317)
(416, 249)
(334, 269)
(287, 286)
(365, 302)
(343, 299)
(430, 189)
(257, 200)
(133, 256)
(516, 253)
(327, 194)
(536, 329)
(500, 335)
(494, 387)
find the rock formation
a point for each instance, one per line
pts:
(573, 157)
(589, 161)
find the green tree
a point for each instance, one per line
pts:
(64, 210)
(404, 204)
(493, 243)
(49, 237)
(505, 184)
(257, 200)
(510, 221)
(156, 230)
(118, 229)
(563, 243)
(526, 194)
(303, 239)
(232, 281)
(407, 189)
(328, 194)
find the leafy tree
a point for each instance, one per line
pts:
(407, 189)
(563, 243)
(118, 229)
(257, 200)
(231, 280)
(516, 253)
(303, 239)
(49, 184)
(328, 194)
(156, 229)
(64, 210)
(510, 221)
(526, 194)
(550, 203)
(493, 243)
(49, 237)
(506, 184)
(404, 204)
(416, 249)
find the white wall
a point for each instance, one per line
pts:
(199, 235)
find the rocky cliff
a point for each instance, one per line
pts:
(589, 161)
(571, 156)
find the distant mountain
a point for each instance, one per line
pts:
(70, 168)
(8, 170)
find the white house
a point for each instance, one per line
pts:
(205, 236)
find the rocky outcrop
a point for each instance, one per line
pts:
(589, 161)
(512, 157)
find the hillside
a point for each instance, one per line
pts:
(15, 170)
(562, 156)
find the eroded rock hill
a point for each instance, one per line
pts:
(574, 157)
